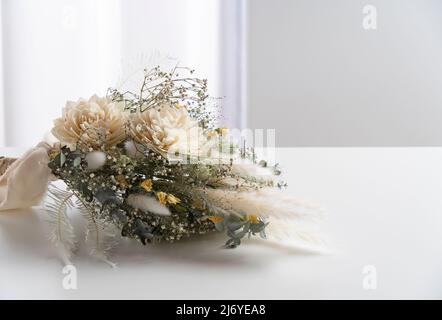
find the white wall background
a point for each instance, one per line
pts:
(52, 51)
(2, 106)
(58, 50)
(307, 68)
(320, 79)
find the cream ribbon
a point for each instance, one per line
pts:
(25, 182)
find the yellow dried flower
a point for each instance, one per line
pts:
(212, 134)
(222, 131)
(253, 218)
(165, 198)
(171, 199)
(216, 219)
(162, 197)
(53, 154)
(122, 181)
(147, 185)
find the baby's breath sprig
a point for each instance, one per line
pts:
(177, 87)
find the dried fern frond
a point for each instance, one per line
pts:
(62, 234)
(101, 236)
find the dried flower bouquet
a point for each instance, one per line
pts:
(154, 166)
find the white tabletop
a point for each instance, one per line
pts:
(384, 213)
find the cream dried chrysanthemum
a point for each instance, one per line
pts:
(167, 129)
(96, 123)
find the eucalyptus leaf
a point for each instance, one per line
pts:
(77, 161)
(87, 194)
(232, 243)
(234, 218)
(239, 233)
(119, 215)
(235, 225)
(180, 208)
(143, 232)
(62, 159)
(257, 227)
(263, 163)
(107, 198)
(263, 234)
(105, 195)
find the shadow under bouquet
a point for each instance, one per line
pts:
(154, 166)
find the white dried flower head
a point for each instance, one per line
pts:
(133, 149)
(95, 160)
(167, 129)
(96, 123)
(147, 204)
